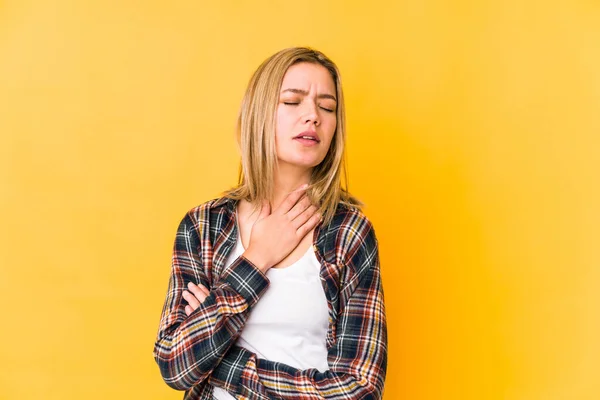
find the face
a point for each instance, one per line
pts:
(307, 107)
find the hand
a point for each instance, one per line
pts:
(274, 235)
(195, 296)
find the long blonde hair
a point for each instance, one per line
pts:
(256, 138)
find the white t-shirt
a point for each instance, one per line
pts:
(289, 322)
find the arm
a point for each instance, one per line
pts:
(357, 360)
(188, 348)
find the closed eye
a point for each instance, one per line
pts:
(287, 103)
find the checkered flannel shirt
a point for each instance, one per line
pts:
(197, 352)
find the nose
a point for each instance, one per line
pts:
(311, 115)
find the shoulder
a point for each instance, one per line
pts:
(353, 238)
(202, 213)
(353, 229)
(356, 248)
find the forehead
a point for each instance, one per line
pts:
(305, 75)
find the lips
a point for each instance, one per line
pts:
(308, 135)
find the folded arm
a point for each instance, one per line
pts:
(188, 348)
(357, 360)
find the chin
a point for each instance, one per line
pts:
(304, 163)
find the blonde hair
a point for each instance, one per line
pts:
(256, 138)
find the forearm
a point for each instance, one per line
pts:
(189, 347)
(242, 372)
(357, 359)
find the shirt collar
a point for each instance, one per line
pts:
(225, 202)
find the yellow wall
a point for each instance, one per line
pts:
(473, 139)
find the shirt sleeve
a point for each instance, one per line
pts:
(188, 348)
(357, 360)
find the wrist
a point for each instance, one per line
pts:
(256, 259)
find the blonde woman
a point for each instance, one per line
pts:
(275, 288)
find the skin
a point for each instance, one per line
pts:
(283, 229)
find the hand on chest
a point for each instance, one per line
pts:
(245, 220)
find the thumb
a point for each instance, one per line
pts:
(265, 210)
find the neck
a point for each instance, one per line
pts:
(287, 179)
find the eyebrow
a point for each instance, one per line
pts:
(304, 92)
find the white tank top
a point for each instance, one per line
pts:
(289, 322)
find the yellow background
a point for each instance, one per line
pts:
(473, 140)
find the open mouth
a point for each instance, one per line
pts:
(308, 138)
(306, 142)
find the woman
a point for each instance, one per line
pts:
(275, 287)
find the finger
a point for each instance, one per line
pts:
(191, 299)
(291, 199)
(193, 287)
(304, 216)
(188, 310)
(204, 289)
(299, 208)
(309, 225)
(199, 293)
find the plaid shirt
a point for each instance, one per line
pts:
(196, 352)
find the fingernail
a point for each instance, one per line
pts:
(190, 284)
